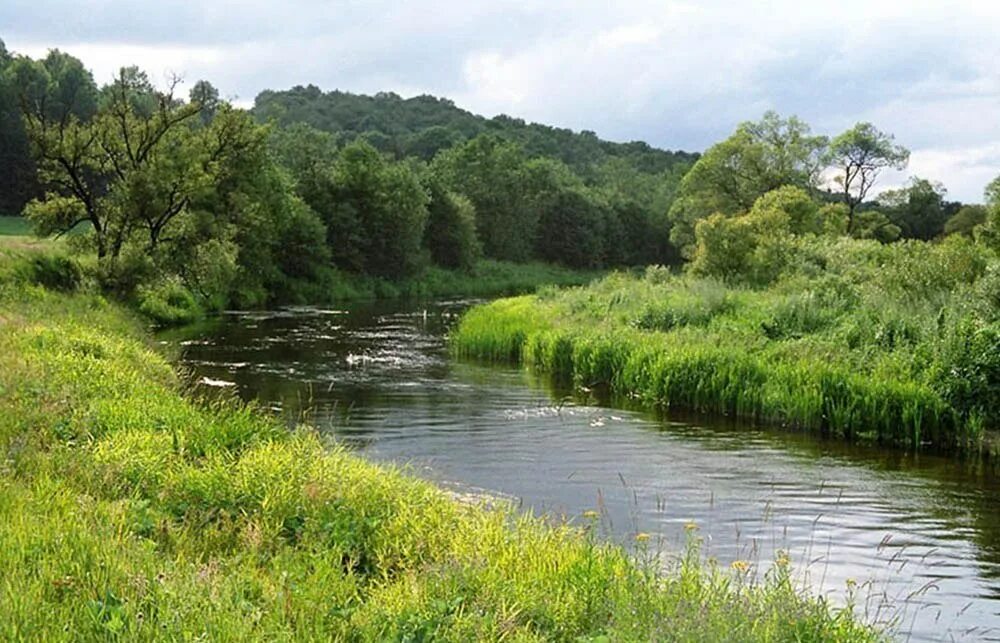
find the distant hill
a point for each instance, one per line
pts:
(423, 125)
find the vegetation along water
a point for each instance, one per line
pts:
(765, 282)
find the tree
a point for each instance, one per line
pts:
(990, 231)
(860, 154)
(918, 208)
(492, 174)
(571, 222)
(134, 172)
(206, 96)
(757, 158)
(62, 87)
(966, 220)
(381, 209)
(17, 170)
(450, 235)
(872, 224)
(800, 209)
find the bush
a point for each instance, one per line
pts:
(168, 303)
(969, 375)
(56, 272)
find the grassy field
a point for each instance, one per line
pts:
(11, 226)
(896, 344)
(128, 512)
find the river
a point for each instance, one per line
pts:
(916, 536)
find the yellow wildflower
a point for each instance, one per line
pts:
(590, 514)
(641, 537)
(740, 565)
(690, 525)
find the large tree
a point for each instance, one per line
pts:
(492, 173)
(133, 170)
(376, 213)
(861, 154)
(758, 157)
(918, 208)
(63, 88)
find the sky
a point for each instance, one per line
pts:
(680, 75)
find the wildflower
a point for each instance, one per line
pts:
(590, 514)
(690, 525)
(740, 565)
(642, 537)
(783, 560)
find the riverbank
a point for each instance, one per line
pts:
(894, 345)
(489, 278)
(128, 511)
(173, 305)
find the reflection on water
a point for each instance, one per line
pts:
(920, 531)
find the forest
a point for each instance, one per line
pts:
(189, 205)
(185, 205)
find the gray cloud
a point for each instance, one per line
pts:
(677, 74)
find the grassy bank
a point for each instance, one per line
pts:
(171, 304)
(10, 226)
(129, 512)
(489, 278)
(896, 344)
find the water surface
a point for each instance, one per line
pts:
(918, 535)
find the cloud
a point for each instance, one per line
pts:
(678, 74)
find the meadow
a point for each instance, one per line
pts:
(14, 226)
(895, 344)
(130, 511)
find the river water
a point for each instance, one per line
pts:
(918, 537)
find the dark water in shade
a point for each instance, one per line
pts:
(919, 534)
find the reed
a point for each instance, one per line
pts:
(836, 352)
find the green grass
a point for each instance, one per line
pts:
(898, 345)
(129, 512)
(14, 226)
(488, 278)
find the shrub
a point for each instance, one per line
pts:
(56, 272)
(168, 303)
(969, 375)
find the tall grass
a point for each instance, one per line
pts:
(128, 512)
(835, 352)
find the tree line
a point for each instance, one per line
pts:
(191, 197)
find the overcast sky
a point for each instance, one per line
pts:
(676, 74)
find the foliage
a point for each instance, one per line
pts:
(450, 234)
(129, 512)
(755, 248)
(966, 220)
(852, 338)
(491, 173)
(380, 209)
(917, 209)
(872, 224)
(860, 154)
(168, 303)
(757, 158)
(423, 126)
